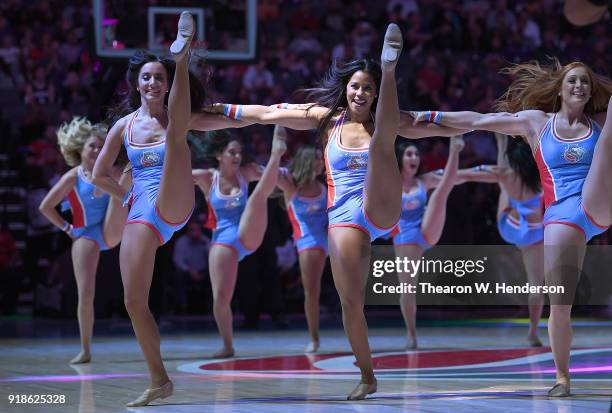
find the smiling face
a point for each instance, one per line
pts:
(90, 151)
(576, 87)
(411, 160)
(153, 81)
(360, 92)
(231, 157)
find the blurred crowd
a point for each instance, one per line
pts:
(453, 51)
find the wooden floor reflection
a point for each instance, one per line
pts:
(471, 368)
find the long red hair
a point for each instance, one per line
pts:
(537, 86)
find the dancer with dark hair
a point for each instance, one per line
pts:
(420, 227)
(561, 113)
(306, 200)
(162, 197)
(519, 213)
(238, 220)
(97, 220)
(364, 183)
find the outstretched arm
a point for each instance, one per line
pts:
(251, 171)
(293, 117)
(204, 121)
(526, 123)
(482, 173)
(203, 179)
(411, 130)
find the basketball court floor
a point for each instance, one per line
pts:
(471, 366)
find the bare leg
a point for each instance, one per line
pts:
(254, 219)
(223, 272)
(435, 213)
(350, 258)
(312, 263)
(116, 214)
(383, 185)
(408, 301)
(564, 250)
(597, 189)
(85, 257)
(176, 195)
(137, 258)
(503, 202)
(533, 259)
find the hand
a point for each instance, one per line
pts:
(216, 108)
(69, 232)
(456, 143)
(418, 116)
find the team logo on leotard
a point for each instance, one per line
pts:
(412, 204)
(97, 193)
(313, 208)
(355, 162)
(232, 203)
(573, 153)
(150, 158)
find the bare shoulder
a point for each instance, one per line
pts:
(119, 126)
(534, 115)
(202, 175)
(70, 176)
(535, 120)
(73, 172)
(319, 112)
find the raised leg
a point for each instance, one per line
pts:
(435, 213)
(383, 185)
(176, 195)
(533, 259)
(312, 263)
(408, 301)
(564, 249)
(254, 219)
(137, 258)
(223, 267)
(116, 214)
(597, 189)
(85, 257)
(503, 202)
(350, 257)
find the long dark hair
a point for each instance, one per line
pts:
(399, 153)
(130, 100)
(331, 91)
(213, 144)
(522, 162)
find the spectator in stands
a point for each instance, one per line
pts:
(192, 282)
